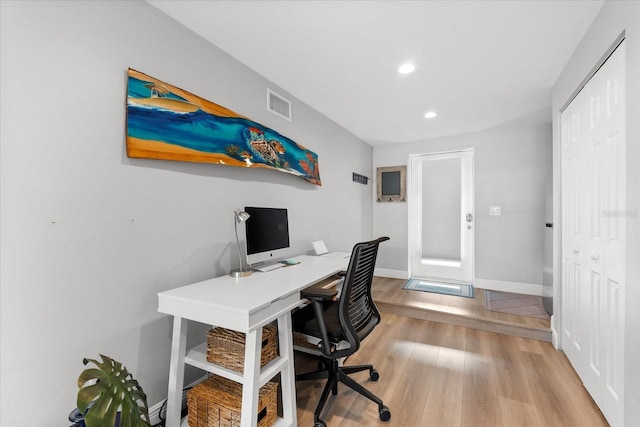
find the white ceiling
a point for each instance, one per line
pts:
(480, 64)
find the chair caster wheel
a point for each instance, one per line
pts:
(385, 414)
(319, 423)
(374, 375)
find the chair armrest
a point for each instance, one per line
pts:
(319, 293)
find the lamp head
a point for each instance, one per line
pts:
(241, 216)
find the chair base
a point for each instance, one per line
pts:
(340, 374)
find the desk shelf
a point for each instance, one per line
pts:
(280, 422)
(197, 357)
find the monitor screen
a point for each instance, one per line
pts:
(267, 231)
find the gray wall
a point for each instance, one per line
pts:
(510, 168)
(89, 237)
(614, 18)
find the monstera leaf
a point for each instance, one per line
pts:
(110, 389)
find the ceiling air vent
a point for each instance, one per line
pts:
(278, 105)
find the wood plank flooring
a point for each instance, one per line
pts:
(443, 373)
(468, 312)
(436, 374)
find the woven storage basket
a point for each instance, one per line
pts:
(226, 347)
(217, 402)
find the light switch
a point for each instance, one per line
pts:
(494, 211)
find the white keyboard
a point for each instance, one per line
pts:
(270, 267)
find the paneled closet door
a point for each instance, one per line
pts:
(593, 251)
(573, 316)
(607, 252)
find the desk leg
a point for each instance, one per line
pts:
(176, 372)
(252, 352)
(288, 377)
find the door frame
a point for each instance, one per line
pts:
(470, 208)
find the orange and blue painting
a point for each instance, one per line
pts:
(168, 123)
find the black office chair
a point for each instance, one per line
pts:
(341, 325)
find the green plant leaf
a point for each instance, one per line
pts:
(111, 388)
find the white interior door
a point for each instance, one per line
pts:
(441, 216)
(573, 121)
(593, 238)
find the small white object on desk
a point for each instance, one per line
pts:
(321, 250)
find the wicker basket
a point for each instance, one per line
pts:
(226, 347)
(217, 402)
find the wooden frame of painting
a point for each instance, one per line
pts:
(168, 123)
(392, 184)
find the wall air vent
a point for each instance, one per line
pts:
(278, 105)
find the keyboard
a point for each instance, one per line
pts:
(269, 267)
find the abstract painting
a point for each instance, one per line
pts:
(168, 123)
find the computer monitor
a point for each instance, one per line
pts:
(267, 233)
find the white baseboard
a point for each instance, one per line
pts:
(394, 274)
(515, 287)
(154, 411)
(554, 335)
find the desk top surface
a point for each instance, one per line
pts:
(246, 295)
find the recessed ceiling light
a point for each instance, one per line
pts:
(430, 115)
(407, 68)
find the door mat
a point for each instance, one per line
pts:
(455, 289)
(518, 304)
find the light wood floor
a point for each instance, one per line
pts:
(439, 374)
(391, 298)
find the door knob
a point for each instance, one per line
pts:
(595, 258)
(469, 217)
(576, 251)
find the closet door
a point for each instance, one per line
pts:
(593, 251)
(607, 252)
(573, 213)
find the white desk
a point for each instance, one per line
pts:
(243, 304)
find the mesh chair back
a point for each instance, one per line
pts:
(357, 311)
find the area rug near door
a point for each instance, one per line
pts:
(455, 289)
(518, 304)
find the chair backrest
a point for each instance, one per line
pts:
(358, 313)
